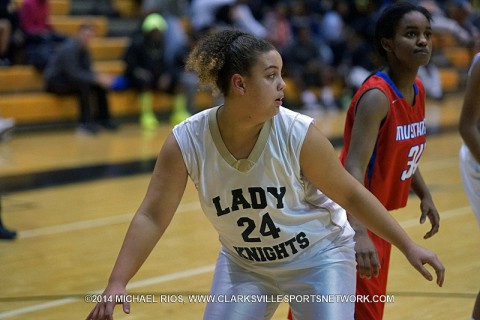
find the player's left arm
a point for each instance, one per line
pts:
(320, 165)
(427, 207)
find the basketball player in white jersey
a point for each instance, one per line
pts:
(470, 150)
(265, 178)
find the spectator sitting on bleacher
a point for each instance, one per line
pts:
(69, 71)
(462, 12)
(362, 60)
(202, 13)
(307, 67)
(238, 15)
(5, 31)
(244, 19)
(175, 13)
(147, 70)
(9, 31)
(443, 23)
(40, 37)
(277, 23)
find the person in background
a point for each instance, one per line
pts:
(69, 71)
(470, 149)
(175, 13)
(309, 71)
(279, 207)
(41, 38)
(12, 37)
(5, 33)
(147, 70)
(279, 29)
(202, 13)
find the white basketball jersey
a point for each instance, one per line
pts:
(264, 210)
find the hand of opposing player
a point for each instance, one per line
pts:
(368, 264)
(428, 210)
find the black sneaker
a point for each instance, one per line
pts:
(6, 234)
(109, 125)
(88, 128)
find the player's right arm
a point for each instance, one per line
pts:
(163, 196)
(371, 110)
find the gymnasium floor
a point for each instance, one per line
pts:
(71, 198)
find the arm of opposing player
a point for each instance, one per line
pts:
(370, 111)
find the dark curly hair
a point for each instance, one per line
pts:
(220, 55)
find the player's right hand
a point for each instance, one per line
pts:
(103, 310)
(368, 264)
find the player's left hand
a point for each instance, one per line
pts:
(419, 256)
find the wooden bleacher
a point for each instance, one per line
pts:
(127, 8)
(22, 97)
(459, 58)
(108, 48)
(22, 94)
(34, 108)
(68, 25)
(59, 7)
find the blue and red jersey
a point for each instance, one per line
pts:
(400, 141)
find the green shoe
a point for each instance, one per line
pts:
(178, 117)
(149, 122)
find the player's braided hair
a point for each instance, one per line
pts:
(220, 55)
